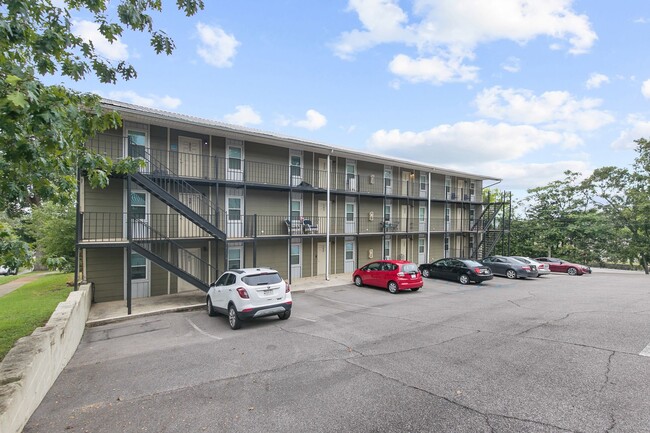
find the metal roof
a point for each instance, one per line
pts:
(212, 127)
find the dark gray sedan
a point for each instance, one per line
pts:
(509, 267)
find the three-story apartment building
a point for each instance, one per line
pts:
(213, 196)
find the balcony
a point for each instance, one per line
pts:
(191, 166)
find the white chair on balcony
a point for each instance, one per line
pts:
(309, 227)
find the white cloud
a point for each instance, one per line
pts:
(89, 31)
(469, 142)
(638, 128)
(645, 89)
(446, 32)
(596, 80)
(314, 120)
(152, 101)
(217, 48)
(435, 70)
(243, 115)
(512, 65)
(554, 109)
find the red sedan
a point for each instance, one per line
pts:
(559, 265)
(395, 275)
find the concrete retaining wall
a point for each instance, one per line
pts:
(33, 364)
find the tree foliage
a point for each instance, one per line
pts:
(43, 128)
(52, 226)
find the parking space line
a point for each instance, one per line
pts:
(304, 318)
(646, 351)
(202, 331)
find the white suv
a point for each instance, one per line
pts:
(249, 293)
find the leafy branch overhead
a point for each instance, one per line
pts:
(43, 128)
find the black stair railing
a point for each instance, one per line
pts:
(165, 184)
(171, 256)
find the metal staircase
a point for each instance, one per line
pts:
(165, 184)
(171, 256)
(491, 227)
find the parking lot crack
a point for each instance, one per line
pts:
(348, 348)
(607, 371)
(548, 322)
(485, 415)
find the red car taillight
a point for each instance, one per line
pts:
(477, 270)
(400, 274)
(243, 293)
(287, 287)
(526, 268)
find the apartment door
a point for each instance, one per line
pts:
(406, 177)
(422, 218)
(188, 260)
(189, 157)
(321, 258)
(422, 258)
(187, 228)
(351, 175)
(235, 162)
(350, 217)
(350, 253)
(388, 180)
(322, 222)
(387, 248)
(235, 216)
(404, 217)
(296, 259)
(295, 168)
(402, 249)
(139, 202)
(322, 173)
(140, 276)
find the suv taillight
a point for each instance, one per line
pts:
(242, 293)
(287, 287)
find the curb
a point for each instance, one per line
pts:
(99, 322)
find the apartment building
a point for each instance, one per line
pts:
(212, 196)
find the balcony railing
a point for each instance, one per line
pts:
(195, 166)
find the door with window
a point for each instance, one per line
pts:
(350, 253)
(295, 214)
(422, 255)
(350, 217)
(351, 175)
(448, 193)
(137, 145)
(235, 254)
(422, 218)
(321, 258)
(189, 157)
(295, 168)
(234, 162)
(140, 276)
(296, 259)
(139, 202)
(388, 180)
(447, 218)
(423, 185)
(406, 187)
(387, 248)
(322, 173)
(404, 217)
(235, 216)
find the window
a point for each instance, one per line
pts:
(296, 165)
(234, 258)
(422, 215)
(138, 205)
(388, 177)
(137, 143)
(349, 212)
(423, 182)
(296, 209)
(387, 212)
(234, 208)
(446, 243)
(295, 254)
(138, 267)
(421, 245)
(234, 158)
(262, 279)
(349, 250)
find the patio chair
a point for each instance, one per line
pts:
(309, 227)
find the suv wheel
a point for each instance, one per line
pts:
(392, 287)
(233, 318)
(211, 311)
(285, 315)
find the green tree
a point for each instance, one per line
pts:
(43, 128)
(624, 195)
(52, 226)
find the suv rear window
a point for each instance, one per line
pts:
(409, 267)
(262, 279)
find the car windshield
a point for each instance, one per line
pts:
(262, 279)
(409, 267)
(471, 263)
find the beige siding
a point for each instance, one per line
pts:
(274, 254)
(105, 269)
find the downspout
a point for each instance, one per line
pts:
(428, 257)
(327, 217)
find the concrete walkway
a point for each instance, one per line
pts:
(116, 311)
(13, 285)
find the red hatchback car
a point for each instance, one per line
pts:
(395, 275)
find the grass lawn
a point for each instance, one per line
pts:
(29, 307)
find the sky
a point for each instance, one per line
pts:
(513, 89)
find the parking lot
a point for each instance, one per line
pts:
(556, 353)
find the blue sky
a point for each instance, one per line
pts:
(521, 90)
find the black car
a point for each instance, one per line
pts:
(461, 270)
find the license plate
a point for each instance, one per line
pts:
(412, 276)
(268, 292)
